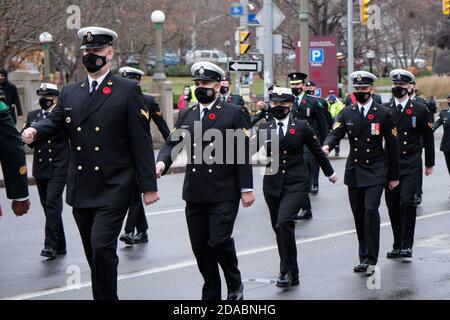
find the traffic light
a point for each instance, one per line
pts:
(446, 7)
(364, 11)
(243, 37)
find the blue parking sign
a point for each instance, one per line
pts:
(316, 55)
(236, 10)
(318, 92)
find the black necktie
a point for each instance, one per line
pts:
(399, 108)
(205, 112)
(224, 99)
(46, 115)
(362, 113)
(94, 86)
(280, 130)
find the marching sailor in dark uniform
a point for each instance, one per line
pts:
(263, 110)
(107, 121)
(13, 161)
(228, 97)
(369, 166)
(136, 214)
(413, 123)
(444, 121)
(310, 90)
(50, 165)
(285, 190)
(431, 105)
(212, 186)
(307, 108)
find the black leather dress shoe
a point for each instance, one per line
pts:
(393, 254)
(361, 268)
(284, 280)
(237, 294)
(141, 237)
(295, 280)
(314, 190)
(417, 199)
(128, 238)
(49, 253)
(305, 215)
(406, 253)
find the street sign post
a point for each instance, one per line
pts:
(236, 10)
(244, 66)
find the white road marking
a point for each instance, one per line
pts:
(191, 263)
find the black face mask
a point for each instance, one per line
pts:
(296, 91)
(362, 97)
(280, 112)
(45, 103)
(93, 62)
(310, 92)
(224, 89)
(205, 95)
(399, 92)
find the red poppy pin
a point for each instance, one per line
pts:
(303, 101)
(408, 112)
(229, 100)
(292, 131)
(212, 117)
(370, 117)
(106, 90)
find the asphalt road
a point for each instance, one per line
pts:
(165, 267)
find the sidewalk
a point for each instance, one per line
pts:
(179, 165)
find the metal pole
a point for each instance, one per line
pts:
(159, 67)
(349, 44)
(243, 27)
(268, 48)
(46, 63)
(304, 36)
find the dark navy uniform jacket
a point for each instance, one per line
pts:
(368, 162)
(12, 158)
(210, 180)
(444, 121)
(110, 141)
(291, 175)
(51, 157)
(414, 125)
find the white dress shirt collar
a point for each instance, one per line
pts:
(366, 106)
(99, 80)
(404, 103)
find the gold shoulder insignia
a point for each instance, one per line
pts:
(246, 132)
(394, 132)
(23, 170)
(336, 125)
(145, 114)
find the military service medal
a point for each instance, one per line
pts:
(414, 122)
(375, 129)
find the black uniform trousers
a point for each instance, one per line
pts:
(312, 166)
(447, 160)
(365, 203)
(210, 227)
(50, 195)
(402, 211)
(307, 158)
(136, 215)
(99, 229)
(283, 211)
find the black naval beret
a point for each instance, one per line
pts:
(226, 78)
(311, 83)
